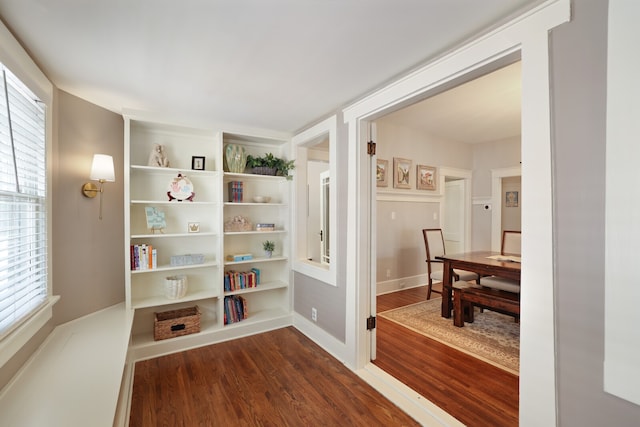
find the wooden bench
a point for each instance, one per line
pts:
(466, 296)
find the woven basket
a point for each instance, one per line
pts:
(175, 287)
(175, 323)
(263, 170)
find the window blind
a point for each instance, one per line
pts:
(23, 208)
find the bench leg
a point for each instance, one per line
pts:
(458, 309)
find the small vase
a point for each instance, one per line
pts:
(268, 254)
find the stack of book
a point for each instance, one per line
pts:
(235, 191)
(235, 280)
(235, 309)
(143, 257)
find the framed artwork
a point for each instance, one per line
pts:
(197, 163)
(155, 218)
(382, 173)
(511, 199)
(426, 177)
(401, 173)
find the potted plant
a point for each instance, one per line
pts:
(268, 247)
(270, 165)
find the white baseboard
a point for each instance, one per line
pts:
(328, 342)
(393, 285)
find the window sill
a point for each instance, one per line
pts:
(10, 345)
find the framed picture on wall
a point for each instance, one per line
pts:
(401, 173)
(382, 173)
(511, 199)
(426, 177)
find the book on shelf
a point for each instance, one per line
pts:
(235, 191)
(143, 257)
(235, 309)
(237, 280)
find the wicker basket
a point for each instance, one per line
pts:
(175, 323)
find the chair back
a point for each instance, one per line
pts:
(433, 242)
(511, 242)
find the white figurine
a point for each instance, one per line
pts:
(157, 157)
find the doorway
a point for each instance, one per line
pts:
(526, 37)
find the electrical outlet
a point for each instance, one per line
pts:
(388, 273)
(314, 314)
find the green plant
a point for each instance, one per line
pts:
(281, 166)
(268, 246)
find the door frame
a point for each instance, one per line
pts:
(496, 200)
(466, 176)
(527, 38)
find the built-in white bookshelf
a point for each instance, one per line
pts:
(196, 226)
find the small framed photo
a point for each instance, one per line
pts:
(401, 173)
(426, 177)
(197, 163)
(382, 173)
(194, 227)
(511, 199)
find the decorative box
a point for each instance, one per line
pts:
(187, 259)
(174, 323)
(239, 257)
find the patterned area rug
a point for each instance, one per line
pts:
(492, 337)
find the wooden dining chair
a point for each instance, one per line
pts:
(511, 242)
(510, 246)
(434, 245)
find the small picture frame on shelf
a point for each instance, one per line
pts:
(197, 163)
(155, 219)
(193, 227)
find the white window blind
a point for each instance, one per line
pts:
(23, 209)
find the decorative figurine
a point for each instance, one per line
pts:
(158, 157)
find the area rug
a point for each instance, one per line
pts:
(492, 337)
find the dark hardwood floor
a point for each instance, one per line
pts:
(279, 378)
(474, 392)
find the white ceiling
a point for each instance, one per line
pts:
(273, 64)
(481, 110)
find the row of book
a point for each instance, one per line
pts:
(143, 257)
(235, 309)
(235, 280)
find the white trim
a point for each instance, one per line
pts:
(496, 200)
(467, 176)
(527, 34)
(621, 314)
(14, 57)
(301, 141)
(11, 344)
(410, 401)
(408, 196)
(401, 283)
(328, 342)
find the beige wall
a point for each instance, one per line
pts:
(88, 253)
(486, 156)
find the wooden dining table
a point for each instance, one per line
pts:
(479, 262)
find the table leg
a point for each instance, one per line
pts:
(447, 289)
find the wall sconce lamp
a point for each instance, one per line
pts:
(101, 171)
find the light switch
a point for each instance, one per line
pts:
(393, 215)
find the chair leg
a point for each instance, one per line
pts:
(429, 286)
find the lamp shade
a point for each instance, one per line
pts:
(102, 168)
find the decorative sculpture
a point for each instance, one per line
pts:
(157, 157)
